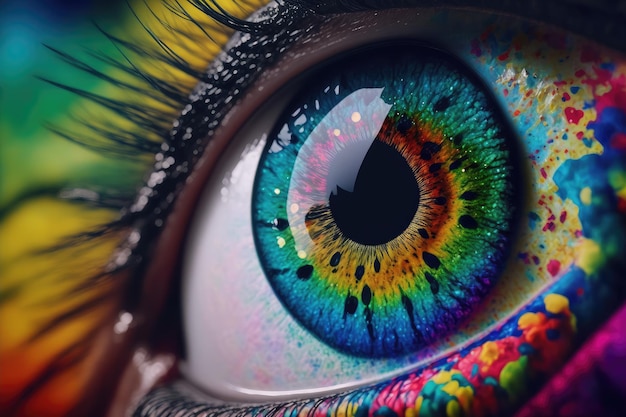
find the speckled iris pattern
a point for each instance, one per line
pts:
(384, 205)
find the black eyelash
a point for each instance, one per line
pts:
(151, 134)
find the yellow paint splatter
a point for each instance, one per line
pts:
(490, 353)
(585, 196)
(453, 409)
(556, 303)
(589, 256)
(528, 320)
(444, 376)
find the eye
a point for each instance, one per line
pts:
(549, 265)
(550, 311)
(386, 278)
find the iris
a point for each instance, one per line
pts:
(385, 203)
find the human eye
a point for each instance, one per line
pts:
(556, 312)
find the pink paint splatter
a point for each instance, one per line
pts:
(543, 173)
(566, 97)
(554, 267)
(563, 216)
(573, 115)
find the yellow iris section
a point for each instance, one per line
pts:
(38, 286)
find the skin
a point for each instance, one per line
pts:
(148, 338)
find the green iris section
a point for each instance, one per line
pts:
(385, 202)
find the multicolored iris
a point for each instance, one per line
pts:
(384, 205)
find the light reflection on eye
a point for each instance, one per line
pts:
(539, 76)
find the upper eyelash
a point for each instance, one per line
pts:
(144, 139)
(152, 127)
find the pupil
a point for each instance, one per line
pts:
(384, 199)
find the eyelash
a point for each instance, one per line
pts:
(149, 127)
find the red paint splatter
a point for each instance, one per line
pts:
(549, 226)
(560, 83)
(603, 76)
(580, 73)
(580, 135)
(573, 115)
(566, 97)
(580, 292)
(543, 173)
(504, 56)
(563, 216)
(621, 204)
(554, 267)
(618, 141)
(516, 113)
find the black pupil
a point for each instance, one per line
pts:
(384, 201)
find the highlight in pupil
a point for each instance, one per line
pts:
(384, 204)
